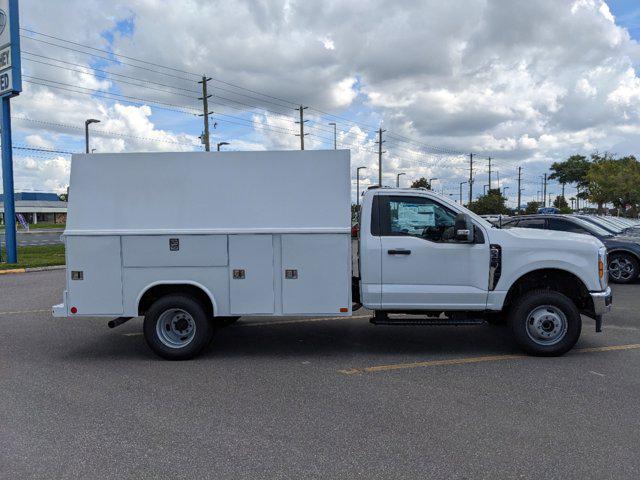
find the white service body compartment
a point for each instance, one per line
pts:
(99, 292)
(251, 274)
(319, 268)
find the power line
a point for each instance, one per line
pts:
(101, 94)
(108, 72)
(99, 132)
(109, 78)
(105, 51)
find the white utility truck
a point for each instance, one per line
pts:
(192, 241)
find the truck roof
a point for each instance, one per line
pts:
(209, 192)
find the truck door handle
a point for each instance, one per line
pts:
(399, 252)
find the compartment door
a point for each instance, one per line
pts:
(99, 289)
(319, 279)
(251, 274)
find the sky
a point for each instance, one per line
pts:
(525, 83)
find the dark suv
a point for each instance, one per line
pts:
(623, 254)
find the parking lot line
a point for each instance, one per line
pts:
(468, 360)
(25, 311)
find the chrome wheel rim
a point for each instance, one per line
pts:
(621, 268)
(175, 328)
(546, 325)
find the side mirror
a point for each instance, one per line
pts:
(464, 228)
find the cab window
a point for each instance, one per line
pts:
(531, 223)
(417, 217)
(563, 225)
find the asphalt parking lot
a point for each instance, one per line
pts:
(312, 398)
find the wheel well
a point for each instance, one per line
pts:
(157, 291)
(551, 279)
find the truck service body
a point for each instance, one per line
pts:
(192, 241)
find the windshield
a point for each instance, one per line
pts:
(602, 224)
(592, 227)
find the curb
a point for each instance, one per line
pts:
(32, 269)
(42, 231)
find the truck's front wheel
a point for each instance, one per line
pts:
(176, 327)
(545, 323)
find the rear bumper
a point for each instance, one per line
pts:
(602, 302)
(60, 310)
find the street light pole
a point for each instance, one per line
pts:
(358, 185)
(86, 132)
(398, 179)
(431, 180)
(335, 135)
(461, 183)
(220, 144)
(484, 189)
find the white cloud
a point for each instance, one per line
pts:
(527, 81)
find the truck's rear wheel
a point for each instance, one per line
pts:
(545, 323)
(176, 327)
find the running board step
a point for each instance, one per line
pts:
(424, 321)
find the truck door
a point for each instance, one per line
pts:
(423, 267)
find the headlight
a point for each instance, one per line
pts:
(602, 267)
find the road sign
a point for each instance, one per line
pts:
(10, 76)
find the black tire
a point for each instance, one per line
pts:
(187, 310)
(224, 321)
(527, 319)
(623, 267)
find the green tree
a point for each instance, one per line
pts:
(561, 203)
(572, 171)
(615, 181)
(421, 183)
(493, 203)
(354, 213)
(532, 207)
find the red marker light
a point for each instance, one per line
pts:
(74, 310)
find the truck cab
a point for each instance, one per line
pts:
(421, 253)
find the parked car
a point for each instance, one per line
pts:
(623, 254)
(548, 210)
(615, 227)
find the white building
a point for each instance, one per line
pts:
(37, 207)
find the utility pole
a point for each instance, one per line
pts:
(519, 189)
(380, 152)
(461, 183)
(358, 186)
(544, 197)
(335, 135)
(489, 173)
(563, 190)
(205, 112)
(302, 121)
(470, 178)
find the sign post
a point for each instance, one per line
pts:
(10, 86)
